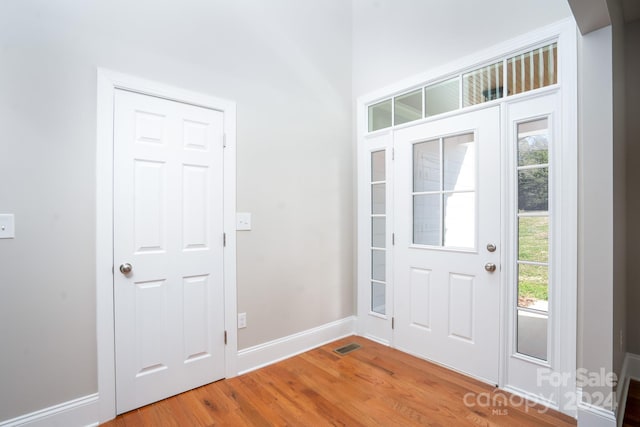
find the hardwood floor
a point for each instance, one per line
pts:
(632, 407)
(372, 386)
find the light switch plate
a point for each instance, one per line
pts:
(242, 320)
(243, 221)
(7, 226)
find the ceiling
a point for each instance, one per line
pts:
(592, 15)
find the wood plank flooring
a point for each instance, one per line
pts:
(632, 407)
(372, 386)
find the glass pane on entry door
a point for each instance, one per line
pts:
(444, 192)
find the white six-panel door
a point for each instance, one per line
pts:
(168, 230)
(446, 217)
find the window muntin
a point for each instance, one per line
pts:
(444, 198)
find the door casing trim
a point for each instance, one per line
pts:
(107, 82)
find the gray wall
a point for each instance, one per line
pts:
(619, 187)
(287, 64)
(295, 74)
(632, 65)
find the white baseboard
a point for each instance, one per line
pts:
(265, 354)
(630, 369)
(593, 416)
(533, 397)
(84, 411)
(631, 366)
(376, 339)
(79, 412)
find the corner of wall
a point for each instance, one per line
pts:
(632, 128)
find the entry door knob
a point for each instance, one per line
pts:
(490, 267)
(126, 268)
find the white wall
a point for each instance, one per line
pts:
(632, 65)
(595, 230)
(605, 304)
(286, 63)
(393, 40)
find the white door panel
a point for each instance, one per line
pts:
(447, 209)
(169, 314)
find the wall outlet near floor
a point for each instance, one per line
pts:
(7, 226)
(242, 320)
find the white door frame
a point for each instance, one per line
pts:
(107, 83)
(380, 327)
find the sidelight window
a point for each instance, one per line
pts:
(533, 237)
(378, 232)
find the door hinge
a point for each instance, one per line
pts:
(393, 154)
(393, 323)
(225, 337)
(224, 239)
(393, 239)
(224, 140)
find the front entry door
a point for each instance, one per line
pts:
(168, 248)
(447, 242)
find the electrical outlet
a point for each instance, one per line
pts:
(7, 226)
(242, 320)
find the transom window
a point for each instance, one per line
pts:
(512, 75)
